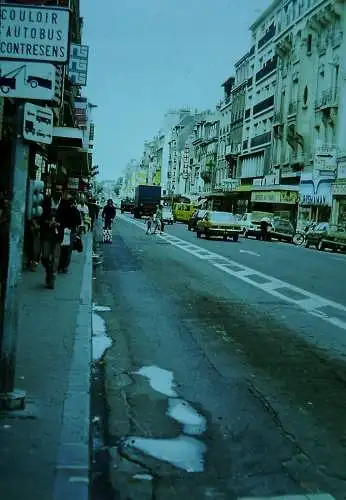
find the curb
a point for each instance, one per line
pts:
(73, 461)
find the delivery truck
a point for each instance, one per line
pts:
(147, 199)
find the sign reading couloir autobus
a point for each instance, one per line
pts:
(34, 33)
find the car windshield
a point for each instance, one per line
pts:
(284, 224)
(166, 211)
(222, 217)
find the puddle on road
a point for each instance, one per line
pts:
(184, 452)
(100, 340)
(181, 411)
(160, 380)
(101, 308)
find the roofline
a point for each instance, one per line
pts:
(265, 14)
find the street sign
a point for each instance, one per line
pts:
(27, 80)
(34, 33)
(38, 123)
(78, 64)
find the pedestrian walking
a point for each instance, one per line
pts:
(264, 225)
(158, 220)
(84, 211)
(108, 216)
(53, 222)
(74, 221)
(150, 222)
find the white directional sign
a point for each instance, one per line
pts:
(27, 80)
(38, 123)
(34, 33)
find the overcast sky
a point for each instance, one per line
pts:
(148, 56)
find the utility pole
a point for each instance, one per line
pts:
(11, 399)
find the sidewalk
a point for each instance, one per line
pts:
(44, 451)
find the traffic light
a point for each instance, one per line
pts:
(35, 199)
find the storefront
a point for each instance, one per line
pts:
(279, 201)
(315, 197)
(339, 203)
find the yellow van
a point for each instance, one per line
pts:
(182, 211)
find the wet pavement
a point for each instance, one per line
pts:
(214, 387)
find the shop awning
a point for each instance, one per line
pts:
(67, 149)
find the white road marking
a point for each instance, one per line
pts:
(250, 253)
(309, 302)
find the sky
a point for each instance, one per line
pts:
(149, 56)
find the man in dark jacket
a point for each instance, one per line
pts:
(54, 220)
(74, 221)
(108, 214)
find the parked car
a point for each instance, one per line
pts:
(218, 224)
(167, 215)
(324, 236)
(251, 223)
(282, 230)
(195, 217)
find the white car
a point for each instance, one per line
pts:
(167, 215)
(251, 223)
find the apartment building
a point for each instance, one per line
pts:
(205, 144)
(308, 125)
(225, 108)
(254, 161)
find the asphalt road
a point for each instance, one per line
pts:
(225, 370)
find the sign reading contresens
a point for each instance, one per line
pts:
(34, 33)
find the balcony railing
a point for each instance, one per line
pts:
(328, 99)
(292, 107)
(267, 36)
(268, 68)
(259, 140)
(263, 105)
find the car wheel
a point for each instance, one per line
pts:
(298, 239)
(189, 228)
(235, 237)
(320, 245)
(199, 234)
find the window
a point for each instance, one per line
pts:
(309, 44)
(305, 95)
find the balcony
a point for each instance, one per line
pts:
(297, 160)
(263, 105)
(232, 150)
(260, 140)
(292, 108)
(328, 100)
(270, 33)
(268, 68)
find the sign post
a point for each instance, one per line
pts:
(32, 39)
(11, 399)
